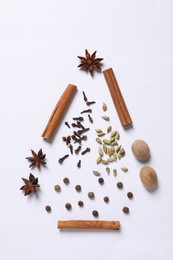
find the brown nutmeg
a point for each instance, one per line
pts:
(149, 178)
(141, 150)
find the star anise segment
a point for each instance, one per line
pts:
(37, 159)
(90, 62)
(31, 185)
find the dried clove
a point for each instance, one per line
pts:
(79, 164)
(67, 124)
(90, 103)
(68, 140)
(80, 125)
(78, 149)
(84, 96)
(90, 119)
(76, 140)
(87, 111)
(79, 132)
(83, 138)
(71, 148)
(75, 133)
(64, 139)
(80, 118)
(75, 125)
(86, 151)
(63, 158)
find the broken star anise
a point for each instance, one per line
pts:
(90, 62)
(31, 185)
(37, 159)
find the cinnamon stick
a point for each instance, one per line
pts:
(88, 224)
(117, 97)
(59, 112)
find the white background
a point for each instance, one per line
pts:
(39, 44)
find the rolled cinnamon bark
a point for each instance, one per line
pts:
(59, 112)
(117, 97)
(88, 224)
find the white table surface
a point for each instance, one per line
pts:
(39, 44)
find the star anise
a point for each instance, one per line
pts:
(37, 159)
(31, 185)
(90, 62)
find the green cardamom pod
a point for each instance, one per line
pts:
(111, 159)
(112, 149)
(109, 152)
(112, 139)
(115, 157)
(107, 170)
(100, 134)
(117, 136)
(100, 151)
(119, 156)
(124, 169)
(99, 159)
(118, 148)
(109, 129)
(106, 141)
(106, 118)
(113, 134)
(98, 140)
(96, 173)
(104, 107)
(114, 172)
(104, 162)
(114, 143)
(122, 152)
(98, 130)
(105, 148)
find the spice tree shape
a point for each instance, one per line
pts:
(37, 159)
(31, 185)
(90, 62)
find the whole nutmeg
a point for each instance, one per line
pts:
(149, 178)
(141, 150)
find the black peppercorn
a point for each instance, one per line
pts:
(57, 188)
(101, 180)
(95, 213)
(68, 206)
(130, 195)
(66, 180)
(91, 195)
(78, 188)
(125, 210)
(106, 199)
(48, 208)
(120, 185)
(80, 203)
